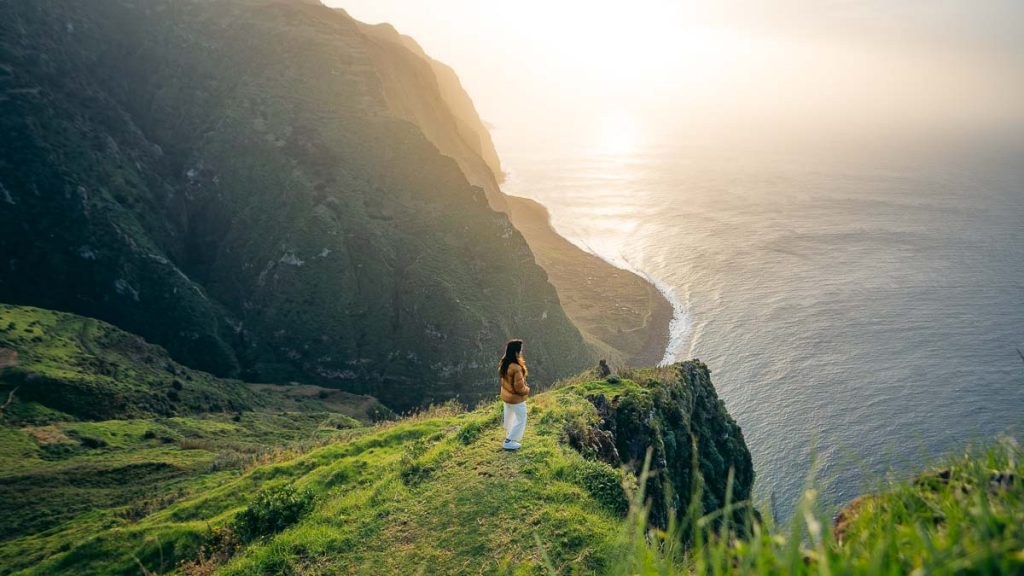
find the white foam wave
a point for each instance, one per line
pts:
(681, 325)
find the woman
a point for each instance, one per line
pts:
(512, 372)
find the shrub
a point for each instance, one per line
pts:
(470, 432)
(220, 546)
(603, 482)
(93, 442)
(271, 511)
(411, 466)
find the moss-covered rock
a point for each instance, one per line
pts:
(675, 415)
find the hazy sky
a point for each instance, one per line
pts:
(610, 73)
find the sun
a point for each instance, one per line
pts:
(616, 134)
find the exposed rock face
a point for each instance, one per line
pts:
(253, 185)
(671, 417)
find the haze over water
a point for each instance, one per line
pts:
(863, 310)
(838, 211)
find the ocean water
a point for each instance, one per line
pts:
(860, 313)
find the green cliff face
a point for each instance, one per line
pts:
(246, 184)
(429, 94)
(694, 443)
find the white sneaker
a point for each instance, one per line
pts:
(511, 445)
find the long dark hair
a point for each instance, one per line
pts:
(513, 355)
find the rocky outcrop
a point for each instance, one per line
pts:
(694, 443)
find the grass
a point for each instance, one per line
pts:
(274, 491)
(81, 476)
(432, 491)
(70, 367)
(93, 442)
(963, 516)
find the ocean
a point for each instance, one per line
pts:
(860, 313)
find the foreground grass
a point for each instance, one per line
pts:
(965, 516)
(66, 482)
(313, 493)
(431, 493)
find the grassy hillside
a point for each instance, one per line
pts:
(283, 486)
(97, 424)
(71, 367)
(239, 182)
(964, 515)
(67, 367)
(433, 490)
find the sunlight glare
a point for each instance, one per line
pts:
(616, 134)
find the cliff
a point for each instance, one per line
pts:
(636, 330)
(288, 485)
(429, 94)
(255, 186)
(433, 491)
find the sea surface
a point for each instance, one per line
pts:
(860, 313)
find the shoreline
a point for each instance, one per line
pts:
(681, 324)
(637, 330)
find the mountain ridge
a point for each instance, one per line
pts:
(636, 332)
(230, 180)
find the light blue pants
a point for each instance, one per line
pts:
(515, 421)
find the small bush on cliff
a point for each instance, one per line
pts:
(602, 481)
(272, 511)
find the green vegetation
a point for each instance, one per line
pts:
(965, 516)
(271, 511)
(281, 488)
(68, 366)
(63, 367)
(259, 218)
(260, 187)
(432, 490)
(99, 427)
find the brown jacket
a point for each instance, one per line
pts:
(513, 385)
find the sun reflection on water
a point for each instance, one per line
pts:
(617, 134)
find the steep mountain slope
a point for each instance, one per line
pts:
(636, 330)
(287, 488)
(231, 180)
(433, 492)
(429, 94)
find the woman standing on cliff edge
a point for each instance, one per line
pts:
(514, 391)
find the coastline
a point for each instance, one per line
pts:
(624, 316)
(636, 329)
